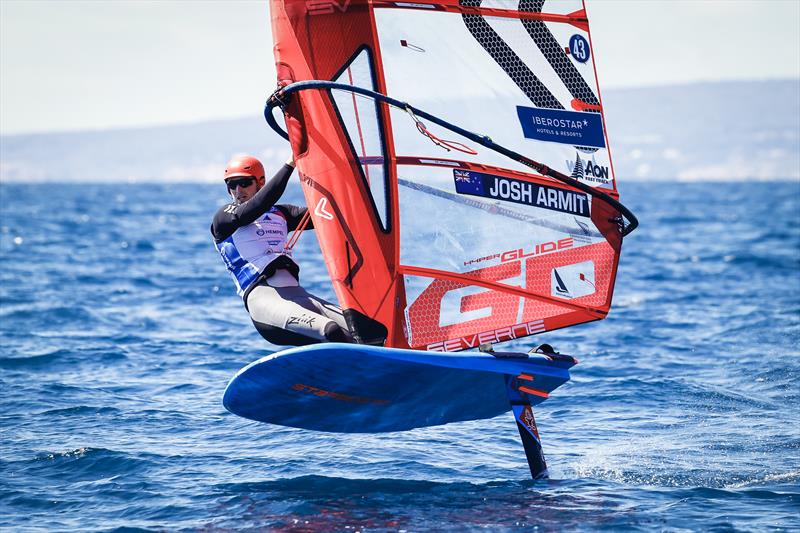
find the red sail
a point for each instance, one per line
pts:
(431, 242)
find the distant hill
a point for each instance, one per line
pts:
(707, 131)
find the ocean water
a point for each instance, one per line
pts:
(119, 329)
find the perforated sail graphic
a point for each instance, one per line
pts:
(441, 246)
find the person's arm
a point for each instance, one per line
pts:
(294, 214)
(232, 216)
(265, 198)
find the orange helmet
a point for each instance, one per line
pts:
(244, 165)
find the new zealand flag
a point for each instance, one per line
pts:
(468, 182)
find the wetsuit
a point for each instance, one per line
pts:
(251, 238)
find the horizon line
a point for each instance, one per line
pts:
(210, 120)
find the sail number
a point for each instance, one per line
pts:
(579, 48)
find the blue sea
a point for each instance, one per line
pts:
(119, 330)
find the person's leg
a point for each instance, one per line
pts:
(334, 313)
(288, 316)
(336, 329)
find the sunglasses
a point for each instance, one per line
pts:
(242, 182)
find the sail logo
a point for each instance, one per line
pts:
(583, 235)
(559, 285)
(542, 248)
(578, 128)
(504, 334)
(573, 281)
(322, 393)
(521, 192)
(584, 227)
(587, 170)
(321, 209)
(529, 421)
(521, 253)
(326, 7)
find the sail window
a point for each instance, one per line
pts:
(362, 124)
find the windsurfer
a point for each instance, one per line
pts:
(251, 235)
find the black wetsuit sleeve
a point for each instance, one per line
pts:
(294, 214)
(231, 217)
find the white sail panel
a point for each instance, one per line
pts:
(494, 78)
(443, 229)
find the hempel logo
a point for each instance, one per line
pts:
(326, 7)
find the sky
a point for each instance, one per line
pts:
(91, 65)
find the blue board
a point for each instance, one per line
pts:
(351, 388)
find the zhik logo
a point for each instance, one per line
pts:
(302, 320)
